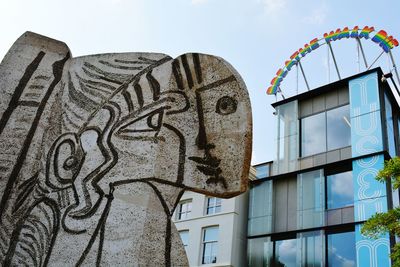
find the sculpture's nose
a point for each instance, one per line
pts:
(201, 139)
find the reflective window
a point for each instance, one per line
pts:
(213, 205)
(285, 252)
(313, 135)
(185, 237)
(340, 190)
(342, 250)
(210, 245)
(260, 208)
(262, 171)
(311, 199)
(259, 252)
(288, 140)
(184, 209)
(325, 131)
(311, 250)
(338, 127)
(389, 127)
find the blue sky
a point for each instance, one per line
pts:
(255, 36)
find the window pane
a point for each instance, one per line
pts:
(211, 234)
(213, 205)
(262, 171)
(285, 253)
(185, 209)
(340, 190)
(313, 135)
(389, 127)
(185, 237)
(288, 142)
(214, 251)
(207, 250)
(259, 252)
(338, 127)
(311, 199)
(210, 245)
(342, 250)
(260, 208)
(311, 250)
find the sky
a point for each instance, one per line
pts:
(255, 36)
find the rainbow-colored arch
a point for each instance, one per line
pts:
(381, 37)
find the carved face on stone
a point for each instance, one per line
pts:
(215, 130)
(186, 121)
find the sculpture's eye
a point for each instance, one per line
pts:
(226, 105)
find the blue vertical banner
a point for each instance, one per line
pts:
(366, 124)
(369, 194)
(372, 252)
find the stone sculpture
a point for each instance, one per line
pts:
(96, 151)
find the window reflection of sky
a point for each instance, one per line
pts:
(285, 251)
(313, 140)
(340, 190)
(262, 171)
(338, 128)
(325, 131)
(341, 250)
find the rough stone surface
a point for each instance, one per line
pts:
(96, 151)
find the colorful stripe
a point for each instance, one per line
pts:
(386, 42)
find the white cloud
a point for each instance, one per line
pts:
(345, 262)
(287, 250)
(273, 6)
(317, 16)
(342, 185)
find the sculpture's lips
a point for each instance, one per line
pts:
(210, 167)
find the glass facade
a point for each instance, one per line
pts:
(210, 245)
(340, 190)
(287, 137)
(341, 250)
(285, 253)
(389, 127)
(338, 128)
(260, 208)
(325, 131)
(334, 191)
(262, 171)
(310, 250)
(313, 134)
(259, 252)
(310, 199)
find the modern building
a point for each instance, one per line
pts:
(213, 230)
(307, 207)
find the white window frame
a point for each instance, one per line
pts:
(186, 231)
(184, 215)
(214, 205)
(213, 242)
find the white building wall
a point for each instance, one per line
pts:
(232, 223)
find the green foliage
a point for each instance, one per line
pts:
(389, 221)
(381, 223)
(391, 170)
